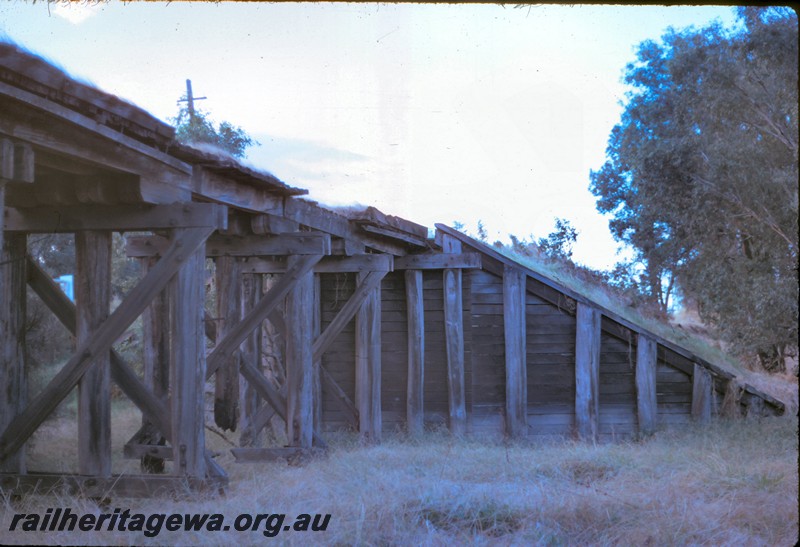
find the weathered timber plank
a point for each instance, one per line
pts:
(93, 299)
(438, 261)
(454, 345)
(702, 393)
(394, 234)
(329, 264)
(368, 363)
(229, 309)
(221, 189)
(515, 352)
(261, 311)
(646, 403)
(271, 224)
(300, 243)
(314, 216)
(131, 307)
(416, 352)
(299, 360)
(187, 374)
(105, 138)
(13, 355)
(587, 371)
(109, 217)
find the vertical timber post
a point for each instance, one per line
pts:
(250, 401)
(317, 373)
(454, 341)
(514, 293)
(300, 360)
(229, 306)
(155, 355)
(587, 371)
(13, 382)
(93, 298)
(646, 361)
(416, 353)
(368, 364)
(702, 393)
(188, 360)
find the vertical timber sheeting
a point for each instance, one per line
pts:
(368, 364)
(250, 402)
(299, 360)
(416, 352)
(229, 305)
(587, 371)
(646, 384)
(93, 297)
(515, 351)
(702, 393)
(13, 383)
(188, 360)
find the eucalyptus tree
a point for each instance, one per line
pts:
(701, 177)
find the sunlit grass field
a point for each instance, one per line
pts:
(729, 483)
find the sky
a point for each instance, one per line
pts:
(434, 113)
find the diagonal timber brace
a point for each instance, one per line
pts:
(121, 373)
(324, 340)
(276, 400)
(261, 311)
(184, 244)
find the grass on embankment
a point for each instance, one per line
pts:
(730, 483)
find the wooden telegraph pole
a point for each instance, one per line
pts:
(190, 99)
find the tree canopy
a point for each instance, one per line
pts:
(701, 177)
(196, 127)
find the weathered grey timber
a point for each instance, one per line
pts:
(587, 371)
(515, 346)
(93, 299)
(646, 384)
(702, 394)
(416, 352)
(13, 355)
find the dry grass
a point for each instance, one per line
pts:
(731, 483)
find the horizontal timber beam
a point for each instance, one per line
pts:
(116, 218)
(221, 189)
(329, 264)
(438, 261)
(299, 243)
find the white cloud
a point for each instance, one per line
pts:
(77, 12)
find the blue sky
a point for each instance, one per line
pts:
(435, 113)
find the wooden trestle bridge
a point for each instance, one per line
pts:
(381, 327)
